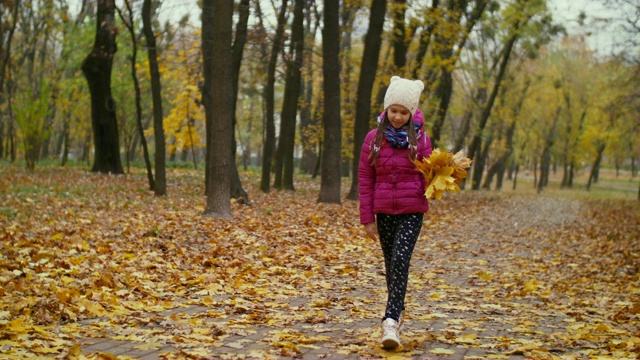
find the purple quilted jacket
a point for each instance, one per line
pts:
(393, 186)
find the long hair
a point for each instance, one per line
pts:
(376, 144)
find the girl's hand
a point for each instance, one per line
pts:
(372, 230)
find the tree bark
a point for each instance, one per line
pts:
(270, 129)
(545, 162)
(307, 121)
(596, 165)
(499, 166)
(425, 38)
(129, 23)
(97, 70)
(237, 191)
(449, 58)
(160, 188)
(331, 156)
(284, 156)
(217, 97)
(368, 68)
(6, 52)
(486, 110)
(400, 44)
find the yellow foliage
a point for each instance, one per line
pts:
(442, 172)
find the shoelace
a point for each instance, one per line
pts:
(390, 327)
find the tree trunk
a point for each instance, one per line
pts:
(129, 23)
(286, 142)
(574, 149)
(479, 163)
(331, 155)
(425, 38)
(270, 129)
(237, 191)
(486, 110)
(65, 143)
(545, 162)
(479, 97)
(400, 44)
(6, 52)
(596, 165)
(449, 59)
(97, 69)
(567, 141)
(309, 156)
(445, 80)
(348, 13)
(368, 69)
(160, 188)
(499, 166)
(217, 98)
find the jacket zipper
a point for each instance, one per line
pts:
(395, 185)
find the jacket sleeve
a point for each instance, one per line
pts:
(424, 147)
(424, 143)
(366, 182)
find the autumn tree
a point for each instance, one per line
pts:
(310, 104)
(368, 69)
(184, 124)
(31, 118)
(269, 124)
(575, 76)
(217, 98)
(349, 58)
(129, 22)
(613, 108)
(284, 155)
(450, 37)
(8, 27)
(97, 68)
(32, 81)
(237, 49)
(156, 91)
(332, 142)
(517, 16)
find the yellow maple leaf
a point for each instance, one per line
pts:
(75, 352)
(530, 286)
(467, 338)
(149, 346)
(442, 351)
(442, 172)
(17, 326)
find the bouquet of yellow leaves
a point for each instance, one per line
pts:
(442, 172)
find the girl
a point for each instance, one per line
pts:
(391, 189)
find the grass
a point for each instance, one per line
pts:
(609, 186)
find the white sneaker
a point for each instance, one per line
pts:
(390, 337)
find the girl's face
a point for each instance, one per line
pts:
(398, 115)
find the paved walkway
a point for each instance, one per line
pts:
(446, 320)
(474, 293)
(329, 340)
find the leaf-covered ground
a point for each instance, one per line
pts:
(88, 257)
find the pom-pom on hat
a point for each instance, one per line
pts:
(403, 92)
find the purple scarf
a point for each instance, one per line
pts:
(399, 138)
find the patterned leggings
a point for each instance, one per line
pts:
(398, 236)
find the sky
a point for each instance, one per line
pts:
(602, 39)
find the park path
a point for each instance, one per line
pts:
(493, 276)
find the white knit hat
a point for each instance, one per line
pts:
(403, 92)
